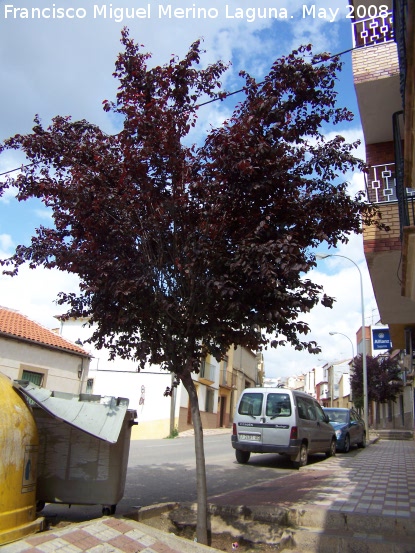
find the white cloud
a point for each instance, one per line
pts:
(63, 66)
(34, 292)
(45, 214)
(6, 242)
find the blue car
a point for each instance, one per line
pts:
(349, 427)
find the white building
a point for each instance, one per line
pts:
(156, 413)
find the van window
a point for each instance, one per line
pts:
(320, 413)
(311, 412)
(278, 405)
(251, 404)
(305, 408)
(302, 408)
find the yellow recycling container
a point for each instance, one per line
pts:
(18, 466)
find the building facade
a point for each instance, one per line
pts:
(383, 71)
(156, 413)
(29, 351)
(218, 386)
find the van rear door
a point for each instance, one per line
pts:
(250, 416)
(278, 419)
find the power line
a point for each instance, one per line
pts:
(222, 97)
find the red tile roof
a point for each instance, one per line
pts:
(14, 324)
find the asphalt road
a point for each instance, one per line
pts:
(164, 471)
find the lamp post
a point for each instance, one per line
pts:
(364, 360)
(345, 335)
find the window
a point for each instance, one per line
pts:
(311, 412)
(306, 409)
(278, 405)
(251, 404)
(202, 368)
(302, 409)
(319, 412)
(89, 385)
(210, 396)
(34, 378)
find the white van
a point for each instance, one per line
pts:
(278, 420)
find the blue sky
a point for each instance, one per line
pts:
(63, 66)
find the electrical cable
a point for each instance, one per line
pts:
(224, 96)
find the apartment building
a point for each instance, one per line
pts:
(383, 70)
(220, 385)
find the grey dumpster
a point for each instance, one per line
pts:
(84, 443)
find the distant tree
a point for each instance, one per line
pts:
(183, 251)
(384, 382)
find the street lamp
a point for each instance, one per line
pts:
(364, 360)
(345, 335)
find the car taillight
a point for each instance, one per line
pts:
(294, 433)
(234, 429)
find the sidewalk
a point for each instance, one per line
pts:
(378, 481)
(376, 485)
(106, 535)
(206, 432)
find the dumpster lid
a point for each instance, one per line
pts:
(99, 416)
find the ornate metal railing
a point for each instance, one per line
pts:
(373, 30)
(385, 182)
(382, 183)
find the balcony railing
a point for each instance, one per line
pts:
(373, 30)
(400, 19)
(227, 378)
(207, 371)
(385, 182)
(382, 183)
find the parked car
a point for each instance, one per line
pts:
(350, 428)
(279, 420)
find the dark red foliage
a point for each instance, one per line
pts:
(384, 382)
(183, 250)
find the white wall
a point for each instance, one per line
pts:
(119, 378)
(144, 390)
(320, 374)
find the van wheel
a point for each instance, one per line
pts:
(303, 457)
(242, 456)
(332, 451)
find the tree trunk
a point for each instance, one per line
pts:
(201, 527)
